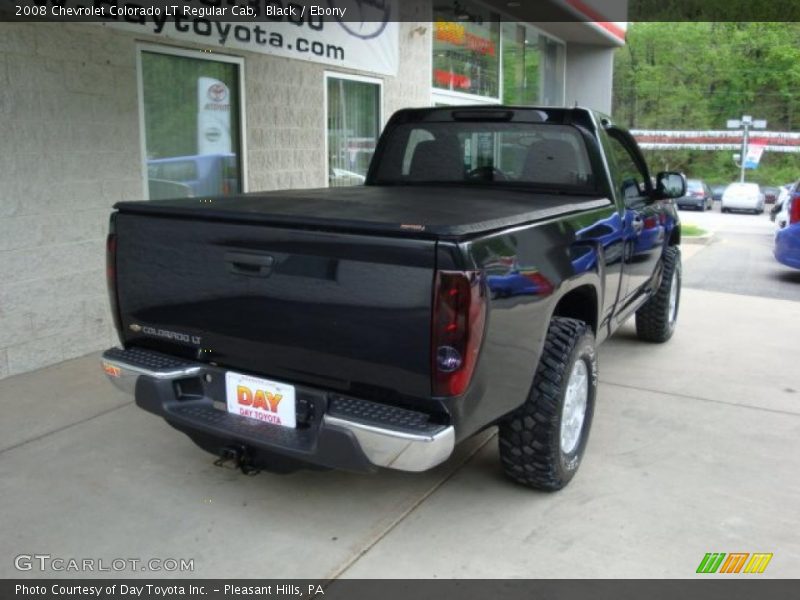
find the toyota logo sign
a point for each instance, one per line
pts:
(218, 92)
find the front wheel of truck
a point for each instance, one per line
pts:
(655, 320)
(542, 442)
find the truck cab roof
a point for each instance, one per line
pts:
(500, 113)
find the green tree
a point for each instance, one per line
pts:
(696, 75)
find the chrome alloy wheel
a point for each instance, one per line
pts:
(574, 412)
(673, 299)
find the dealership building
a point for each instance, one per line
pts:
(98, 112)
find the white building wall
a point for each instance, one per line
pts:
(589, 77)
(70, 149)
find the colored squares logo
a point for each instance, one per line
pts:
(734, 562)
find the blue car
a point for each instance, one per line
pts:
(787, 240)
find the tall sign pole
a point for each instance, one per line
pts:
(745, 123)
(747, 120)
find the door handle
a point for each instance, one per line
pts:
(251, 265)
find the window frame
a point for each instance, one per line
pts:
(327, 75)
(611, 134)
(208, 55)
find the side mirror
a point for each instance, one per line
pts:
(670, 184)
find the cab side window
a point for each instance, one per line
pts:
(628, 179)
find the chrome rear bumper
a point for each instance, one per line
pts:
(392, 437)
(124, 367)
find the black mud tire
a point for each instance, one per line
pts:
(529, 438)
(653, 323)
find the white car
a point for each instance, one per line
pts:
(782, 216)
(743, 196)
(785, 193)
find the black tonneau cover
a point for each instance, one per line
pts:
(435, 211)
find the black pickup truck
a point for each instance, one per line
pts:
(465, 285)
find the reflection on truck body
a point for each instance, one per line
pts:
(196, 175)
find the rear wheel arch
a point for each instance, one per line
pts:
(580, 303)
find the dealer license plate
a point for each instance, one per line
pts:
(260, 399)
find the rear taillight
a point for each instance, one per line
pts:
(111, 277)
(794, 209)
(459, 317)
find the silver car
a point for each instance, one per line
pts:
(743, 196)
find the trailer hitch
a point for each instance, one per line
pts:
(236, 457)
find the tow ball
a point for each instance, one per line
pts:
(236, 457)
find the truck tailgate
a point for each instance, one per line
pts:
(340, 310)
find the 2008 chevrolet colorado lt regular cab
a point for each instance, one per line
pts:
(465, 285)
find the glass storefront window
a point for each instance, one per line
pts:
(521, 65)
(353, 129)
(191, 125)
(552, 72)
(467, 43)
(466, 50)
(533, 67)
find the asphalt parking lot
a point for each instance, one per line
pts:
(739, 259)
(695, 448)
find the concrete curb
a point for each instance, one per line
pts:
(704, 239)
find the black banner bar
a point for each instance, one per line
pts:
(715, 587)
(372, 11)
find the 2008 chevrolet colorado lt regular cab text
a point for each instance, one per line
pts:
(465, 285)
